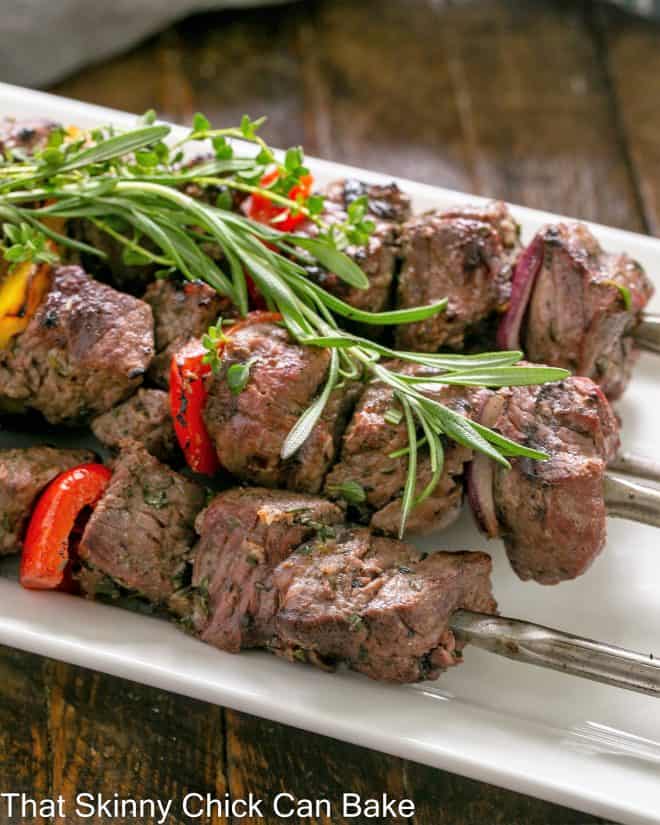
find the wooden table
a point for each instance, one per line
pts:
(548, 105)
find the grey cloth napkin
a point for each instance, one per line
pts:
(41, 41)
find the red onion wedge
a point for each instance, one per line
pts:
(524, 277)
(480, 475)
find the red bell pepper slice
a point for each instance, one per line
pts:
(187, 400)
(47, 549)
(188, 396)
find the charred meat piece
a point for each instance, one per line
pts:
(23, 475)
(145, 418)
(584, 305)
(249, 425)
(378, 605)
(386, 202)
(181, 311)
(280, 571)
(244, 535)
(22, 138)
(141, 533)
(86, 348)
(464, 255)
(365, 459)
(388, 206)
(551, 514)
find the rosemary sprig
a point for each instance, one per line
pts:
(132, 186)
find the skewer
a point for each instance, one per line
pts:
(629, 500)
(633, 464)
(544, 647)
(647, 333)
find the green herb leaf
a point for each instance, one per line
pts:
(350, 491)
(238, 376)
(393, 416)
(200, 123)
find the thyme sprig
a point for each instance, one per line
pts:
(132, 186)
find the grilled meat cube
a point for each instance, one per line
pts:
(377, 604)
(145, 418)
(249, 427)
(584, 305)
(280, 571)
(387, 207)
(23, 475)
(244, 534)
(464, 255)
(25, 137)
(552, 513)
(141, 533)
(86, 348)
(365, 459)
(386, 202)
(181, 311)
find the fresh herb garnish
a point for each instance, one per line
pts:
(624, 292)
(211, 342)
(393, 416)
(26, 243)
(350, 491)
(237, 377)
(131, 185)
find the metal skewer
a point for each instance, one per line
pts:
(647, 333)
(633, 464)
(553, 649)
(629, 500)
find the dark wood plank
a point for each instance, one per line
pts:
(631, 53)
(148, 77)
(446, 799)
(267, 759)
(248, 63)
(111, 736)
(24, 757)
(506, 99)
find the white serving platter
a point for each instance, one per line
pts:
(560, 738)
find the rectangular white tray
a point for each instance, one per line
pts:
(569, 741)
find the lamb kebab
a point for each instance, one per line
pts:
(282, 571)
(550, 514)
(305, 325)
(83, 348)
(585, 307)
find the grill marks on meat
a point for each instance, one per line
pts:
(577, 317)
(249, 428)
(85, 349)
(365, 458)
(144, 418)
(377, 604)
(464, 255)
(244, 535)
(23, 475)
(552, 513)
(181, 311)
(388, 206)
(141, 533)
(280, 571)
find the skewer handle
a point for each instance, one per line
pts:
(647, 333)
(553, 649)
(633, 464)
(635, 502)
